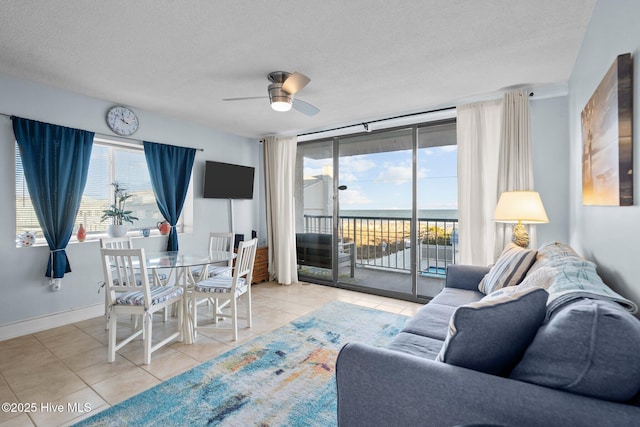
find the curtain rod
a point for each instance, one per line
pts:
(367, 123)
(139, 141)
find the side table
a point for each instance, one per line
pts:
(261, 265)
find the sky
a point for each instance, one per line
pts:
(383, 180)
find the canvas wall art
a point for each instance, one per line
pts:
(607, 140)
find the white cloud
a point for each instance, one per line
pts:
(351, 167)
(448, 148)
(399, 173)
(312, 171)
(315, 167)
(435, 151)
(347, 177)
(353, 198)
(356, 164)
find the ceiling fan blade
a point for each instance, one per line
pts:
(305, 107)
(245, 98)
(295, 82)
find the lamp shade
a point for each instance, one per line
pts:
(520, 206)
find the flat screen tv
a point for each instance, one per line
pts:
(228, 181)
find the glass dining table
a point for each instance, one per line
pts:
(180, 265)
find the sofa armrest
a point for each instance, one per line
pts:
(463, 276)
(382, 387)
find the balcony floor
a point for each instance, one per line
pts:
(377, 279)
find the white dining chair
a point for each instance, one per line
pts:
(228, 290)
(115, 243)
(155, 277)
(218, 242)
(129, 293)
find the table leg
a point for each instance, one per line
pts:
(187, 312)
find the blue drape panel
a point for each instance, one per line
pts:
(170, 171)
(55, 160)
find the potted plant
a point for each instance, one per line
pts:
(117, 212)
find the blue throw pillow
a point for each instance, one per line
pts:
(589, 347)
(492, 334)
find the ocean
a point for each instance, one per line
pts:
(400, 213)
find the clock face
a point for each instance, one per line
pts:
(122, 121)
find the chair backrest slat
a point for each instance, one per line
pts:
(116, 243)
(245, 260)
(221, 242)
(125, 270)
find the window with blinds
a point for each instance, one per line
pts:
(110, 161)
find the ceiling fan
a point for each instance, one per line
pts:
(282, 90)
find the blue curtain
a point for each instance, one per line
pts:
(170, 171)
(55, 160)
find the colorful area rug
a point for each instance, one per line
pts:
(283, 378)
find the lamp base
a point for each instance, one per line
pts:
(520, 236)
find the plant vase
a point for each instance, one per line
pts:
(117, 230)
(82, 234)
(116, 212)
(164, 227)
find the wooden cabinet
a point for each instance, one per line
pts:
(261, 265)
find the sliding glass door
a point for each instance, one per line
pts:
(377, 211)
(375, 208)
(314, 202)
(437, 205)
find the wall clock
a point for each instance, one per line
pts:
(122, 121)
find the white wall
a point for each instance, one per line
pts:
(607, 235)
(25, 294)
(550, 146)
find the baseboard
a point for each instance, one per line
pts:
(37, 324)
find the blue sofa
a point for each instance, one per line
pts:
(404, 384)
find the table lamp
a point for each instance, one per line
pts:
(520, 207)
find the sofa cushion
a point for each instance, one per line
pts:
(492, 334)
(509, 270)
(588, 347)
(456, 297)
(159, 294)
(416, 345)
(462, 276)
(431, 321)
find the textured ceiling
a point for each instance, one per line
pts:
(366, 59)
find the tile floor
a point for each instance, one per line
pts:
(61, 372)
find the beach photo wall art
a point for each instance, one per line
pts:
(607, 140)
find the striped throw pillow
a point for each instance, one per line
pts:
(509, 270)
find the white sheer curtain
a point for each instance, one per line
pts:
(478, 134)
(515, 168)
(279, 170)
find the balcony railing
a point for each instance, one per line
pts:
(385, 242)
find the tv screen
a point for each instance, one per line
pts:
(227, 181)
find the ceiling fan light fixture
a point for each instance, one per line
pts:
(281, 106)
(280, 100)
(282, 91)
